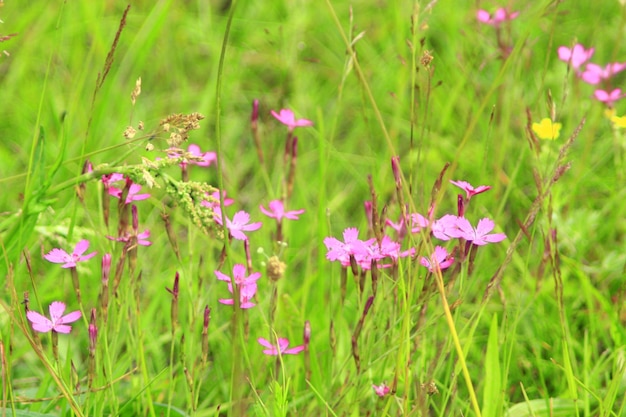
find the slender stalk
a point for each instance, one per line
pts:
(237, 378)
(456, 341)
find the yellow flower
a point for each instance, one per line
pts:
(546, 129)
(619, 121)
(609, 113)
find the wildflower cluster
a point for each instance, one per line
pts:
(116, 185)
(594, 74)
(365, 253)
(381, 252)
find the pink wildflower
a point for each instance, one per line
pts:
(594, 74)
(381, 390)
(480, 235)
(372, 251)
(281, 349)
(418, 222)
(134, 236)
(287, 118)
(246, 285)
(276, 210)
(239, 224)
(142, 238)
(109, 179)
(59, 256)
(133, 193)
(207, 157)
(608, 97)
(59, 321)
(216, 203)
(501, 15)
(440, 258)
(470, 191)
(576, 56)
(341, 251)
(446, 228)
(399, 227)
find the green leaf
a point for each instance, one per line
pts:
(492, 395)
(555, 407)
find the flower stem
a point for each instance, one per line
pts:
(455, 340)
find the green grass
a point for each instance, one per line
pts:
(548, 340)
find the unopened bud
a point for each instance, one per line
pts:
(395, 167)
(255, 112)
(135, 218)
(307, 334)
(106, 268)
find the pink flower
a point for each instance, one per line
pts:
(59, 321)
(501, 15)
(440, 257)
(287, 118)
(470, 191)
(109, 179)
(341, 251)
(276, 210)
(399, 227)
(142, 238)
(418, 222)
(139, 238)
(479, 236)
(608, 97)
(132, 193)
(246, 285)
(281, 349)
(207, 157)
(381, 390)
(59, 256)
(594, 74)
(372, 251)
(577, 56)
(446, 228)
(239, 224)
(216, 203)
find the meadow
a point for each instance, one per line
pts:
(314, 208)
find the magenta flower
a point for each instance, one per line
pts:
(276, 210)
(372, 251)
(287, 118)
(239, 275)
(341, 251)
(109, 179)
(418, 222)
(216, 203)
(480, 235)
(142, 238)
(133, 193)
(134, 236)
(207, 157)
(440, 257)
(594, 74)
(281, 349)
(446, 228)
(239, 224)
(501, 15)
(577, 56)
(59, 256)
(608, 97)
(246, 285)
(470, 191)
(59, 321)
(399, 227)
(381, 390)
